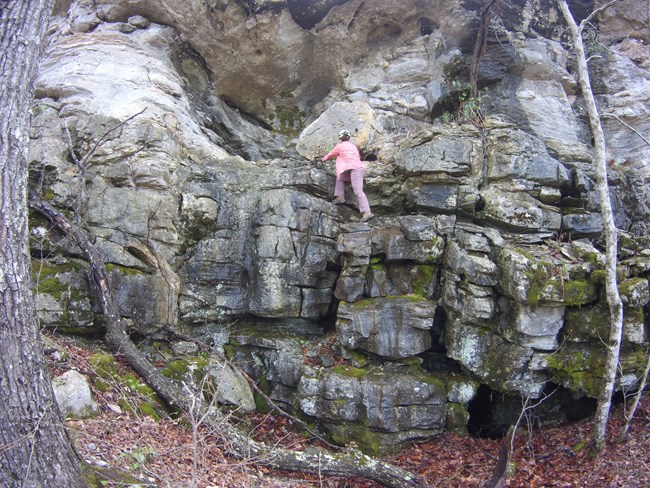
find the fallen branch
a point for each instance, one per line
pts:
(313, 460)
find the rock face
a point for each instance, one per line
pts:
(186, 140)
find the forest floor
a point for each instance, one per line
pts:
(169, 453)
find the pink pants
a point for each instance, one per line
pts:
(355, 176)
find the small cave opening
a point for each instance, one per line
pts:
(385, 32)
(328, 321)
(438, 330)
(427, 26)
(369, 154)
(435, 359)
(491, 413)
(479, 206)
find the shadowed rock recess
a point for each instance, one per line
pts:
(479, 281)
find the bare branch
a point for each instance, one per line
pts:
(594, 13)
(637, 398)
(500, 473)
(101, 140)
(480, 46)
(71, 145)
(613, 116)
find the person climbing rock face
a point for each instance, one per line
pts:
(349, 168)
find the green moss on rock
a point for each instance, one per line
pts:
(457, 418)
(349, 371)
(134, 394)
(578, 369)
(634, 291)
(103, 364)
(190, 367)
(369, 442)
(538, 276)
(578, 292)
(586, 323)
(424, 279)
(291, 119)
(125, 270)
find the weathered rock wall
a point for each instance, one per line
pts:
(482, 266)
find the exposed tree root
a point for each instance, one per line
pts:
(316, 460)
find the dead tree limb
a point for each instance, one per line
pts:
(480, 46)
(622, 122)
(314, 460)
(83, 163)
(500, 473)
(637, 398)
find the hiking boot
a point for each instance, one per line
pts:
(366, 216)
(338, 201)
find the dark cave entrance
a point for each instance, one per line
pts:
(492, 412)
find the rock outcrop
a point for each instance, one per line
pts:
(187, 139)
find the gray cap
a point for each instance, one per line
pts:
(343, 133)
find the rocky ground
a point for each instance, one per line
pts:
(174, 453)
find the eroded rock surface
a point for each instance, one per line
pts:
(187, 137)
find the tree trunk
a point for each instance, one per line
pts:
(609, 231)
(35, 450)
(347, 463)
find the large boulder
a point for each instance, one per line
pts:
(378, 410)
(319, 137)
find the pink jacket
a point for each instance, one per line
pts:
(347, 157)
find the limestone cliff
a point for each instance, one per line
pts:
(187, 136)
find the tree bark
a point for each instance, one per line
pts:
(609, 231)
(348, 463)
(35, 450)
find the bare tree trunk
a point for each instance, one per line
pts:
(609, 230)
(35, 450)
(349, 463)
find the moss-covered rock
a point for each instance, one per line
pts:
(634, 292)
(379, 409)
(593, 324)
(62, 298)
(457, 418)
(580, 368)
(534, 280)
(133, 394)
(190, 368)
